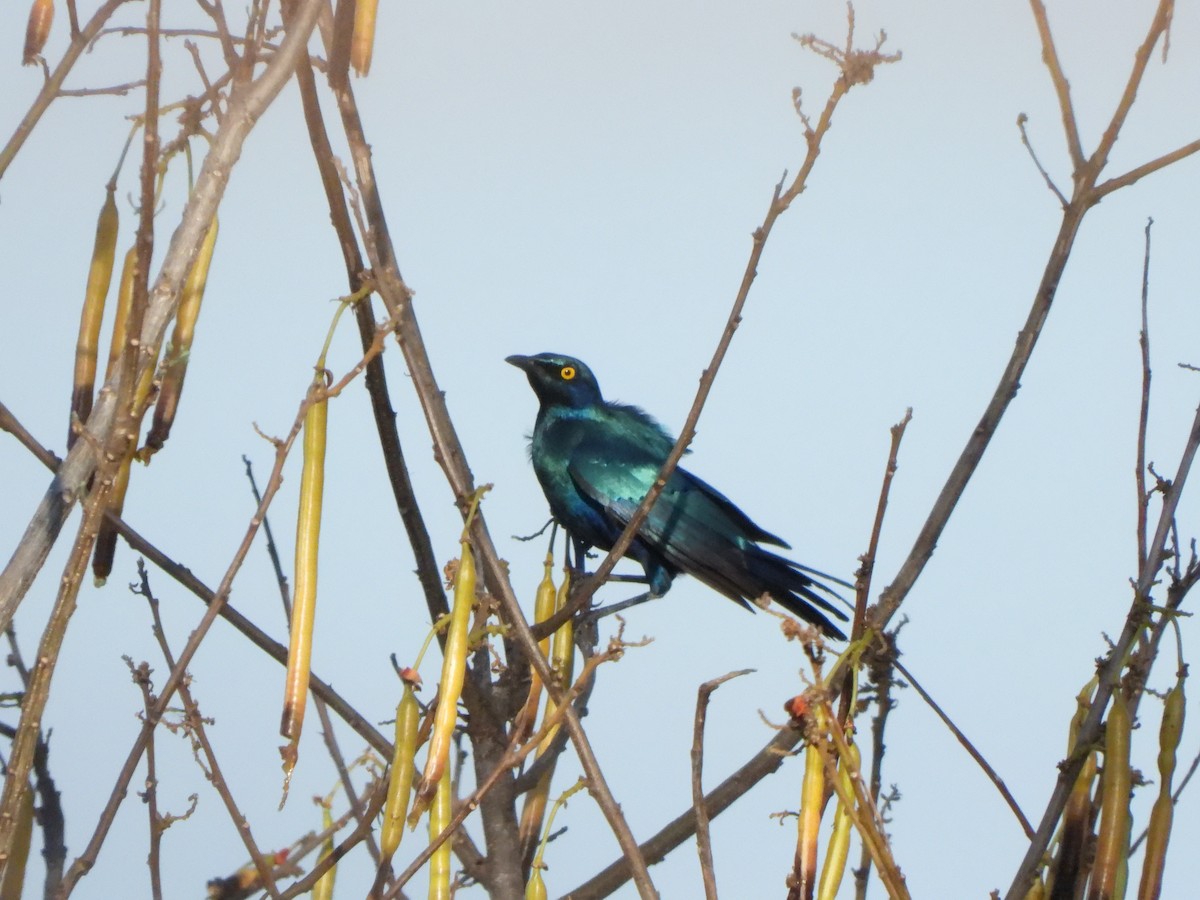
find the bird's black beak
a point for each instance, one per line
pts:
(525, 363)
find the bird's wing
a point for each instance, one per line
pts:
(617, 474)
(693, 526)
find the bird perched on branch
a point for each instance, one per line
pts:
(596, 461)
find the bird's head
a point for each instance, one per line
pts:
(559, 380)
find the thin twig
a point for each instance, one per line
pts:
(116, 90)
(970, 748)
(703, 838)
(862, 578)
(1139, 172)
(1022, 119)
(1143, 499)
(80, 39)
(141, 676)
(194, 723)
(1061, 86)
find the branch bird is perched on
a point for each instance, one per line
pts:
(596, 460)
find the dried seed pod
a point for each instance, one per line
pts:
(1158, 832)
(106, 537)
(408, 716)
(362, 43)
(1068, 870)
(104, 252)
(454, 667)
(176, 360)
(1112, 839)
(304, 599)
(37, 30)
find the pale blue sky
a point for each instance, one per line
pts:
(584, 178)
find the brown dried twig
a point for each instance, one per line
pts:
(703, 838)
(969, 747)
(194, 725)
(80, 39)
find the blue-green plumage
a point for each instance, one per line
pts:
(596, 460)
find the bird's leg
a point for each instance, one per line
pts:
(578, 566)
(630, 579)
(600, 612)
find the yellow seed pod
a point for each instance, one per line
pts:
(562, 650)
(1158, 832)
(454, 668)
(408, 717)
(104, 252)
(304, 599)
(535, 888)
(562, 654)
(362, 43)
(439, 819)
(1112, 839)
(124, 305)
(37, 30)
(812, 796)
(543, 608)
(175, 363)
(1037, 891)
(839, 839)
(14, 873)
(323, 889)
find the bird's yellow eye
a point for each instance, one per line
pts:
(567, 373)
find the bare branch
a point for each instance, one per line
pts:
(1022, 119)
(703, 839)
(1061, 86)
(79, 42)
(970, 748)
(1143, 499)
